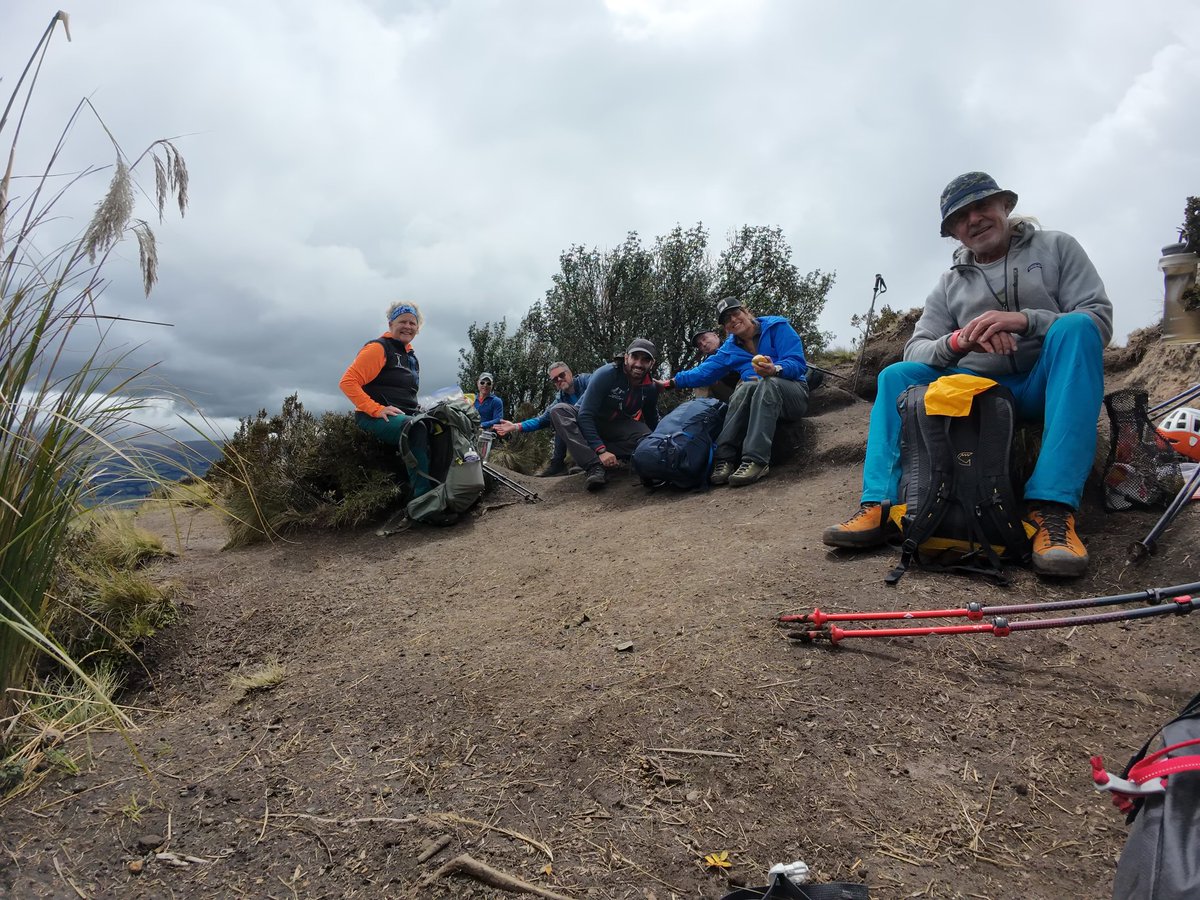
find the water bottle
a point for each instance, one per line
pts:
(1180, 324)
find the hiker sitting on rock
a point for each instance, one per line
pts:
(618, 409)
(488, 405)
(707, 342)
(561, 415)
(382, 384)
(1027, 309)
(767, 355)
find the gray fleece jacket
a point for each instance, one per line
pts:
(1045, 275)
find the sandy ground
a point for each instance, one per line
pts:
(590, 693)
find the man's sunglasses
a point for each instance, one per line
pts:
(561, 376)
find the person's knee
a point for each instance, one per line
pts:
(1075, 327)
(562, 411)
(744, 390)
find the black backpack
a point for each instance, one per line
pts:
(679, 451)
(960, 509)
(1160, 792)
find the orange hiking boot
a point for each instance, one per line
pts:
(863, 529)
(1057, 549)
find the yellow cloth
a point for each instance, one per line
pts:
(951, 395)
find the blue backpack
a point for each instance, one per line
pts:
(679, 451)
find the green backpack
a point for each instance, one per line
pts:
(455, 469)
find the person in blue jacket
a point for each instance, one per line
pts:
(561, 415)
(618, 409)
(488, 405)
(768, 355)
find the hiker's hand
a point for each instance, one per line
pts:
(608, 460)
(388, 411)
(993, 332)
(763, 366)
(504, 427)
(665, 384)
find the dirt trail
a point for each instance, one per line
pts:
(465, 684)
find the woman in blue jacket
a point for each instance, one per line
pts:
(767, 354)
(488, 405)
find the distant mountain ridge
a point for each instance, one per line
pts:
(117, 480)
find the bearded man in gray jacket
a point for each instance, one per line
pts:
(1027, 309)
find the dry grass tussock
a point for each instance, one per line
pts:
(263, 678)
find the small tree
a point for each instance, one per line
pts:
(757, 268)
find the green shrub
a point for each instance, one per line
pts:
(292, 470)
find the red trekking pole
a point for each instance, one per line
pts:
(977, 611)
(1000, 626)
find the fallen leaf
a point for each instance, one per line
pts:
(548, 869)
(718, 860)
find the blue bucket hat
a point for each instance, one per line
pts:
(965, 190)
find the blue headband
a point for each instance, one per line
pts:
(401, 310)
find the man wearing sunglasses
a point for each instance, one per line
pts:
(559, 415)
(488, 405)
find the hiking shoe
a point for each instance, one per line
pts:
(596, 477)
(749, 472)
(721, 472)
(1057, 549)
(575, 470)
(863, 529)
(555, 468)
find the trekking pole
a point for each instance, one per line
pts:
(824, 371)
(880, 288)
(1177, 400)
(1000, 626)
(525, 493)
(977, 611)
(1141, 550)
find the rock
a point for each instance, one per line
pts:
(135, 866)
(624, 647)
(149, 841)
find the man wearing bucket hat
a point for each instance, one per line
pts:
(488, 405)
(618, 409)
(1026, 308)
(766, 354)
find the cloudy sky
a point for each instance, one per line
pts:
(347, 154)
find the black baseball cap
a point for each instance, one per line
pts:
(725, 305)
(641, 345)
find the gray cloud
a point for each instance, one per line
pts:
(344, 155)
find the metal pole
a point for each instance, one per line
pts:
(1178, 400)
(1000, 626)
(528, 495)
(1140, 550)
(978, 611)
(880, 288)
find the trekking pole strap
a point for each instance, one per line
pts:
(1160, 764)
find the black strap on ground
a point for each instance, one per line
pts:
(783, 888)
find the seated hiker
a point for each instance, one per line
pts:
(767, 355)
(618, 409)
(382, 382)
(488, 405)
(1027, 309)
(561, 415)
(707, 342)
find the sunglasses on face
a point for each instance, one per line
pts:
(561, 376)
